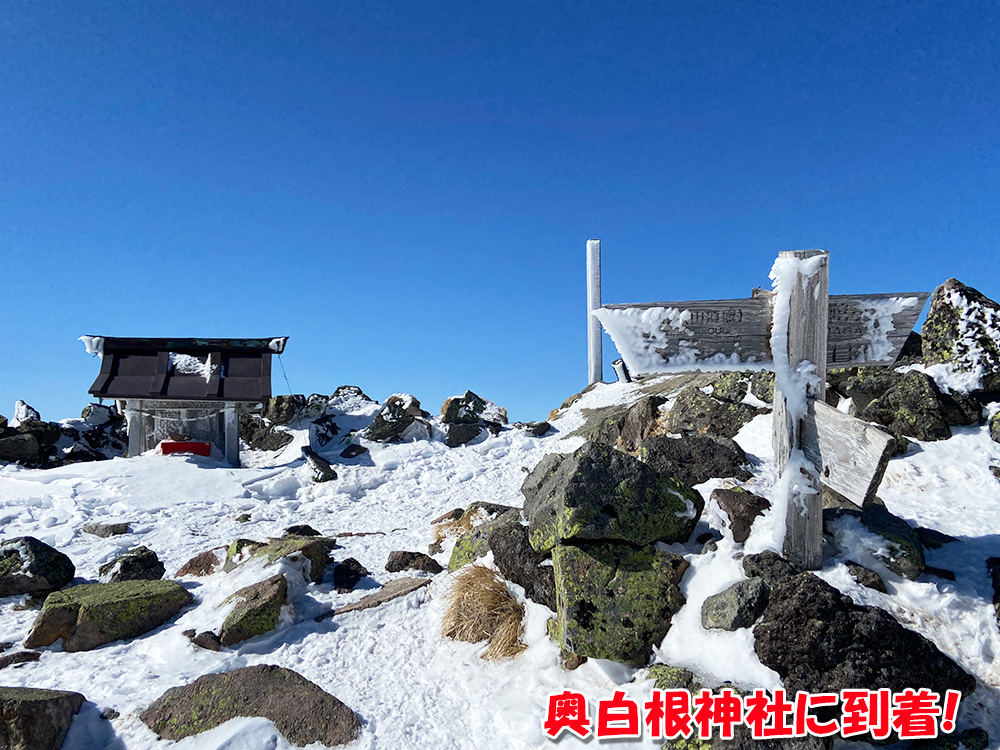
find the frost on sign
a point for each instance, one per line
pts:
(735, 334)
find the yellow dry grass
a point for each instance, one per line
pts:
(481, 608)
(458, 526)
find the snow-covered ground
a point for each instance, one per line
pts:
(411, 688)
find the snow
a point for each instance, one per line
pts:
(411, 688)
(188, 364)
(94, 344)
(877, 317)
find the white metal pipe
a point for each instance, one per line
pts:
(595, 357)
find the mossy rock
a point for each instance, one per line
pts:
(912, 407)
(257, 610)
(995, 427)
(694, 411)
(731, 386)
(963, 329)
(600, 494)
(602, 425)
(239, 551)
(93, 614)
(614, 601)
(475, 543)
(665, 677)
(316, 549)
(35, 719)
(29, 566)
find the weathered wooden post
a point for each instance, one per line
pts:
(798, 340)
(595, 357)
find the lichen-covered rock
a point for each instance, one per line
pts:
(742, 507)
(461, 433)
(257, 610)
(347, 574)
(739, 606)
(139, 564)
(393, 418)
(474, 543)
(283, 409)
(693, 459)
(913, 407)
(28, 566)
(732, 386)
(316, 549)
(762, 385)
(614, 601)
(963, 329)
(818, 640)
(400, 560)
(665, 677)
(598, 493)
(770, 566)
(239, 551)
(602, 425)
(93, 614)
(32, 719)
(694, 411)
(302, 711)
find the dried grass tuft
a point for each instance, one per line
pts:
(481, 608)
(458, 526)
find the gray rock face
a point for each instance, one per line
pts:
(105, 530)
(640, 421)
(915, 407)
(283, 409)
(742, 507)
(693, 459)
(855, 647)
(33, 719)
(393, 418)
(770, 566)
(461, 433)
(739, 606)
(302, 711)
(28, 566)
(139, 564)
(963, 329)
(20, 449)
(257, 610)
(93, 614)
(598, 493)
(400, 560)
(614, 601)
(694, 411)
(261, 436)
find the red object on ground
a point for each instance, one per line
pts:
(173, 446)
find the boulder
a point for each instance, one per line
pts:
(770, 566)
(257, 610)
(316, 549)
(80, 453)
(906, 553)
(393, 418)
(99, 415)
(465, 409)
(535, 429)
(32, 719)
(475, 542)
(92, 614)
(302, 711)
(394, 589)
(598, 493)
(818, 640)
(731, 386)
(239, 551)
(301, 529)
(324, 430)
(399, 561)
(614, 601)
(139, 564)
(347, 574)
(261, 436)
(46, 433)
(202, 564)
(461, 433)
(205, 639)
(665, 677)
(693, 459)
(28, 566)
(995, 427)
(353, 451)
(20, 449)
(19, 657)
(866, 577)
(916, 407)
(694, 411)
(963, 329)
(322, 471)
(23, 411)
(352, 392)
(602, 425)
(518, 561)
(283, 409)
(641, 420)
(993, 567)
(737, 607)
(742, 507)
(105, 530)
(762, 385)
(3, 423)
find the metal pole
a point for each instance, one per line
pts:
(595, 357)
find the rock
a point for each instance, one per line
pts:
(614, 601)
(452, 515)
(770, 566)
(302, 712)
(257, 610)
(475, 542)
(518, 561)
(350, 392)
(105, 530)
(392, 590)
(139, 564)
(207, 640)
(46, 433)
(239, 551)
(933, 539)
(742, 507)
(737, 607)
(465, 409)
(302, 529)
(906, 554)
(399, 561)
(3, 423)
(995, 470)
(694, 411)
(993, 566)
(20, 449)
(23, 411)
(28, 566)
(200, 565)
(762, 385)
(79, 453)
(963, 329)
(316, 549)
(261, 436)
(948, 575)
(602, 425)
(99, 415)
(665, 677)
(995, 427)
(693, 459)
(19, 657)
(32, 719)
(322, 471)
(916, 408)
(536, 429)
(461, 433)
(243, 518)
(324, 430)
(283, 409)
(392, 419)
(598, 493)
(347, 574)
(866, 577)
(353, 451)
(818, 640)
(731, 386)
(109, 714)
(865, 384)
(641, 421)
(92, 614)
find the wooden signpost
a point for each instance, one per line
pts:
(796, 328)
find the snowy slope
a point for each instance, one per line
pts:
(410, 688)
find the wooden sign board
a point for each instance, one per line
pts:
(664, 336)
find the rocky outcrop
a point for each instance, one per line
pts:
(693, 459)
(139, 564)
(257, 610)
(302, 711)
(963, 329)
(324, 430)
(397, 413)
(769, 566)
(913, 406)
(642, 419)
(470, 408)
(694, 411)
(738, 606)
(93, 614)
(283, 409)
(28, 566)
(260, 435)
(598, 493)
(32, 719)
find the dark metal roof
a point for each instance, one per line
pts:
(187, 369)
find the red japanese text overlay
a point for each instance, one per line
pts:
(673, 714)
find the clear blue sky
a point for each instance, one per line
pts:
(406, 189)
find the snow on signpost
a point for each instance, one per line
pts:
(798, 331)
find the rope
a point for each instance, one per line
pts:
(285, 375)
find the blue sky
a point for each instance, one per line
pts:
(406, 189)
